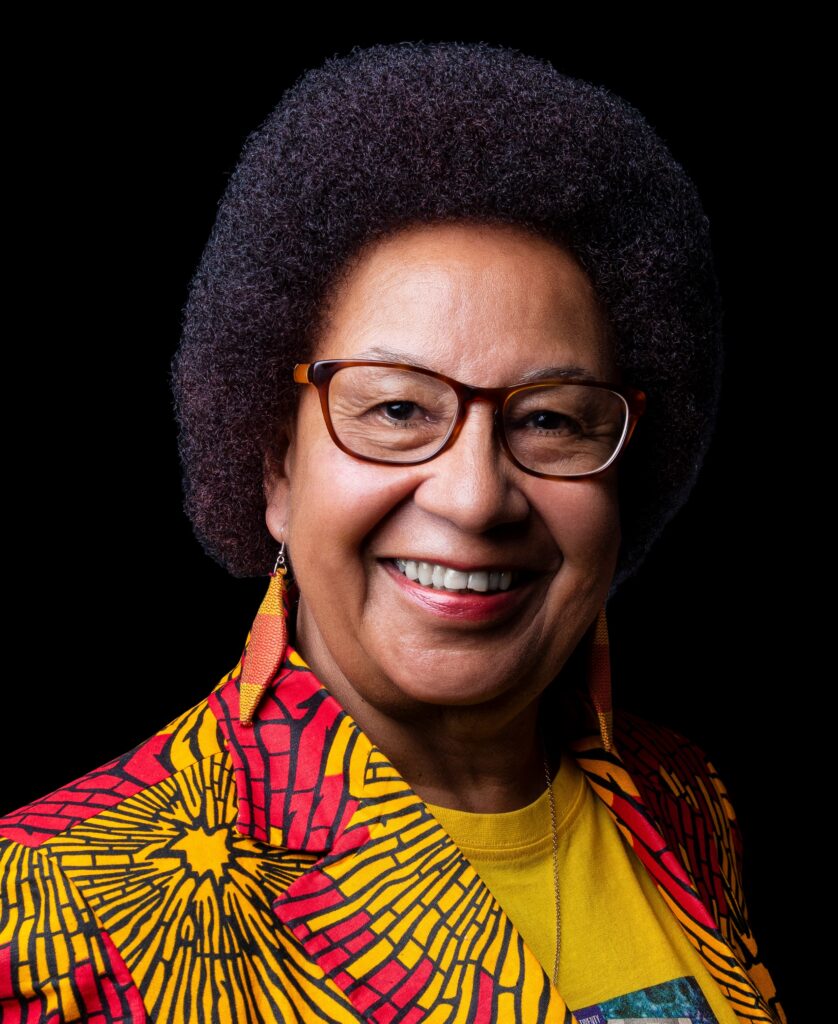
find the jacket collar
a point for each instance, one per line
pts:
(302, 768)
(308, 779)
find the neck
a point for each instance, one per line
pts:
(485, 758)
(464, 758)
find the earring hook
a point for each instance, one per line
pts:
(281, 564)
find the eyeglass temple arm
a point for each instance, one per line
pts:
(638, 402)
(637, 406)
(301, 373)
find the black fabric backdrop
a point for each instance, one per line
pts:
(120, 621)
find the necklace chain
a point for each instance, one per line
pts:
(555, 837)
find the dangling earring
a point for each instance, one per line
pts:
(599, 680)
(266, 647)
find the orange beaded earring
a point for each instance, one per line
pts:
(266, 644)
(599, 680)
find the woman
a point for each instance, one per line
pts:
(409, 800)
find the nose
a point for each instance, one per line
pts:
(473, 484)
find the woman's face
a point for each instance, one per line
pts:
(487, 306)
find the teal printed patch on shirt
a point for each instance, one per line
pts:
(679, 1001)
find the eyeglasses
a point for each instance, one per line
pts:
(404, 415)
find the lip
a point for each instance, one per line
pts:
(465, 605)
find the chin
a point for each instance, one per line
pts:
(454, 689)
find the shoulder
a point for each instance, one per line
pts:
(66, 857)
(185, 742)
(122, 889)
(667, 766)
(688, 800)
(654, 751)
(667, 777)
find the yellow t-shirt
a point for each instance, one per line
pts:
(622, 951)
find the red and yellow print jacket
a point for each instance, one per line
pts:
(286, 872)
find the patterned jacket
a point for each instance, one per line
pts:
(286, 872)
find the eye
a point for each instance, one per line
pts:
(398, 410)
(554, 422)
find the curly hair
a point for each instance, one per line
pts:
(401, 134)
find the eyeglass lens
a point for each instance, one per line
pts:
(402, 416)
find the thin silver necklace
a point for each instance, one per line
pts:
(555, 834)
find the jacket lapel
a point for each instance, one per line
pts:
(402, 920)
(612, 782)
(391, 911)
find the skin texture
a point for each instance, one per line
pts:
(450, 695)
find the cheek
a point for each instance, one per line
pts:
(583, 517)
(585, 525)
(336, 501)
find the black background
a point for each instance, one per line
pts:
(118, 621)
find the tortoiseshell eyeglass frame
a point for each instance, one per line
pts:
(321, 372)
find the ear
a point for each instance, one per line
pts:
(276, 483)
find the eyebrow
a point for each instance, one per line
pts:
(550, 372)
(547, 373)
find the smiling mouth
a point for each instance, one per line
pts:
(442, 577)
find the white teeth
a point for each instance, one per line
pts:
(478, 581)
(430, 574)
(455, 580)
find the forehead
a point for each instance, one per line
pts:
(484, 303)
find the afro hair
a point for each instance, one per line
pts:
(401, 134)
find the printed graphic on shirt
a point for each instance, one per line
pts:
(679, 1001)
